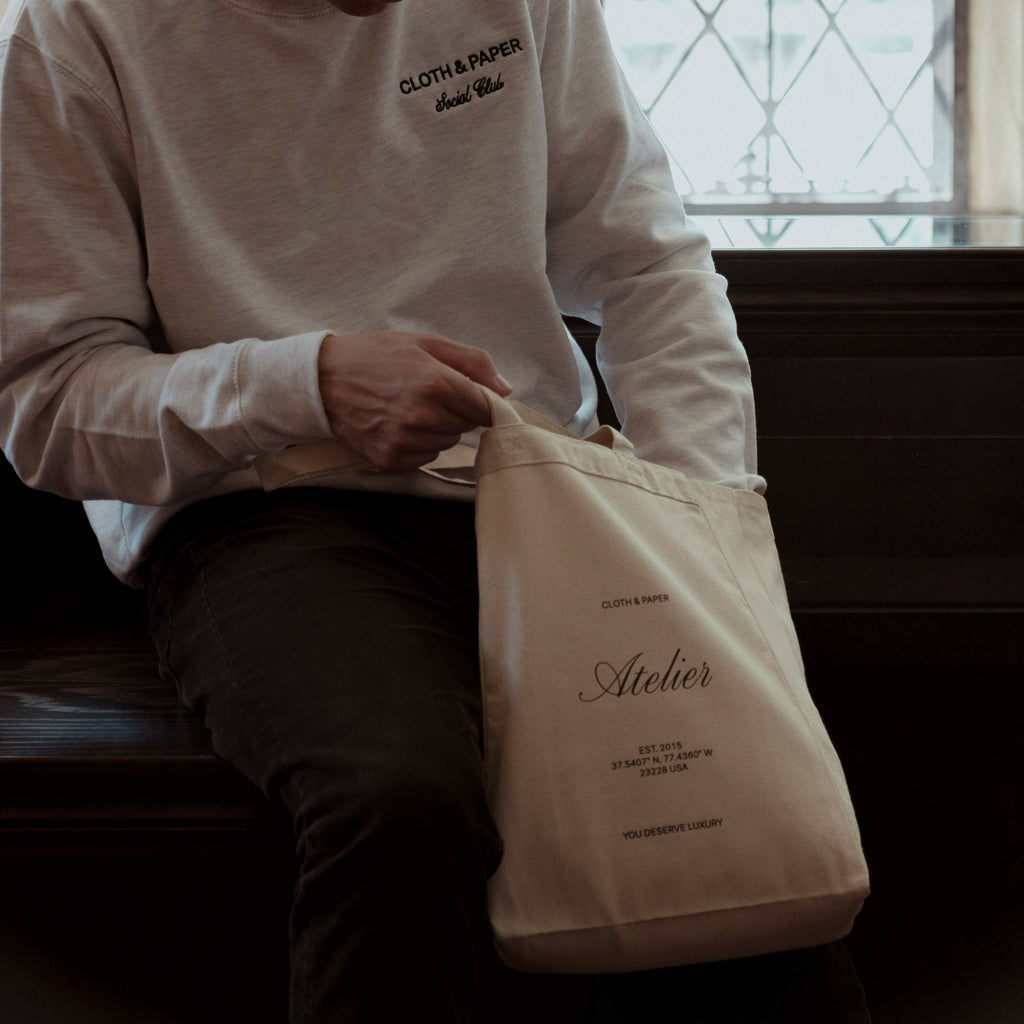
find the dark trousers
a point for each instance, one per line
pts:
(329, 639)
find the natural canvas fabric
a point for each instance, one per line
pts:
(665, 787)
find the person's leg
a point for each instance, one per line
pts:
(806, 986)
(330, 641)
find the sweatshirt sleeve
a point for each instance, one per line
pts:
(92, 404)
(622, 254)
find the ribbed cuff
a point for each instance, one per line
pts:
(278, 391)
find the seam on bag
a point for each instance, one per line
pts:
(595, 474)
(831, 894)
(826, 753)
(313, 474)
(741, 590)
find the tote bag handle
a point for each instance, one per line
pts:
(509, 413)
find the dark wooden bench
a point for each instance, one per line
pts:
(892, 434)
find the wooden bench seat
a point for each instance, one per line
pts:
(98, 757)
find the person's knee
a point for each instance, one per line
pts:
(408, 813)
(425, 804)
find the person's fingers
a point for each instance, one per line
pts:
(399, 398)
(474, 363)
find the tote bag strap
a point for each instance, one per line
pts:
(319, 460)
(509, 413)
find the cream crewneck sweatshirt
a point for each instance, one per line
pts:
(194, 193)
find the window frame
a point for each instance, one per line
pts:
(967, 20)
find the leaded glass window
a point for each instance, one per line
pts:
(773, 103)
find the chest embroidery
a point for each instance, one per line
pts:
(476, 86)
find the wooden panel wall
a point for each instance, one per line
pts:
(891, 424)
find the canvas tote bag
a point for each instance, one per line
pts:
(664, 785)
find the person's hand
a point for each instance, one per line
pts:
(401, 399)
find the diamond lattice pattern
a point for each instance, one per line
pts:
(768, 101)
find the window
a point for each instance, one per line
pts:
(835, 102)
(775, 108)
